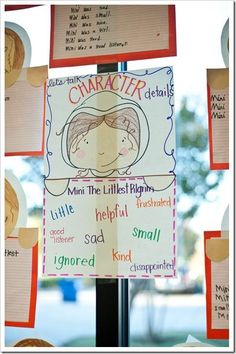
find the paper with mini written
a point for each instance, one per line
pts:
(80, 32)
(220, 294)
(24, 118)
(20, 284)
(218, 87)
(109, 176)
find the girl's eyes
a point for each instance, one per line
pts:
(123, 140)
(86, 141)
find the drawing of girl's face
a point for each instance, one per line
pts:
(104, 148)
(11, 209)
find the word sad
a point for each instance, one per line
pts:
(94, 238)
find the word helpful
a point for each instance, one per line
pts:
(111, 214)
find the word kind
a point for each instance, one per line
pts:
(118, 256)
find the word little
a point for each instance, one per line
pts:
(61, 212)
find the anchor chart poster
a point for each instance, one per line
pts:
(110, 184)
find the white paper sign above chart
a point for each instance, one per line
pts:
(110, 33)
(109, 206)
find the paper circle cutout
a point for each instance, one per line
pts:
(219, 81)
(217, 249)
(19, 192)
(17, 52)
(225, 43)
(27, 237)
(36, 76)
(11, 208)
(14, 56)
(21, 32)
(33, 342)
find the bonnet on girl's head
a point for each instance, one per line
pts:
(106, 105)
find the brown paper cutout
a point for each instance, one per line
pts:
(36, 76)
(33, 342)
(218, 79)
(14, 56)
(217, 249)
(11, 208)
(14, 59)
(28, 237)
